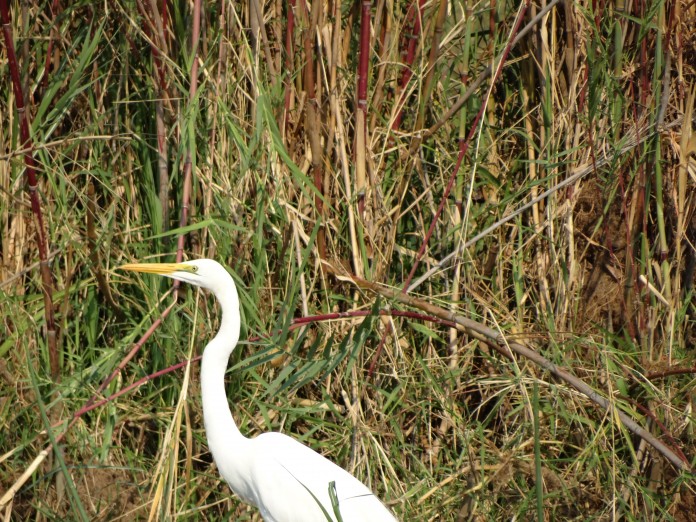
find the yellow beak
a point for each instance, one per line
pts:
(157, 268)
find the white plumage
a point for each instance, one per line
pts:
(285, 479)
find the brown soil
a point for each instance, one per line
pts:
(107, 494)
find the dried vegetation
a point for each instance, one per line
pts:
(487, 208)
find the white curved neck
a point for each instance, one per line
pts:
(216, 411)
(225, 441)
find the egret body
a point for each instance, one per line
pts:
(285, 479)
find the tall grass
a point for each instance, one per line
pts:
(485, 209)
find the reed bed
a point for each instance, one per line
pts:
(463, 234)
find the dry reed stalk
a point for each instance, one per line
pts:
(32, 185)
(157, 34)
(361, 141)
(55, 34)
(687, 147)
(289, 58)
(313, 126)
(383, 29)
(188, 175)
(332, 41)
(259, 30)
(432, 61)
(412, 34)
(540, 52)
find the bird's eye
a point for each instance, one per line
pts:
(194, 269)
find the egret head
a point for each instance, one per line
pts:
(205, 273)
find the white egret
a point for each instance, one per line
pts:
(285, 479)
